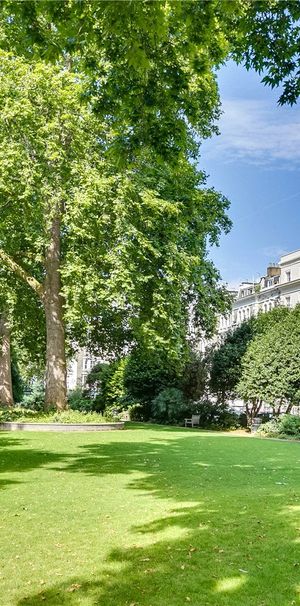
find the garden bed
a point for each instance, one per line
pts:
(15, 426)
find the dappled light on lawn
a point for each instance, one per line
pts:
(135, 517)
(229, 584)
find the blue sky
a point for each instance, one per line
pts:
(255, 162)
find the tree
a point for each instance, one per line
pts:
(133, 48)
(267, 39)
(226, 359)
(271, 367)
(152, 238)
(22, 334)
(45, 149)
(117, 253)
(6, 392)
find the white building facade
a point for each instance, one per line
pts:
(79, 368)
(280, 286)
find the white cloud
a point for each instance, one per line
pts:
(257, 131)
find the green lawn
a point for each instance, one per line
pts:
(149, 516)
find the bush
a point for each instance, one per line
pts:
(23, 415)
(77, 401)
(35, 399)
(168, 406)
(147, 374)
(136, 412)
(105, 385)
(214, 415)
(287, 426)
(18, 385)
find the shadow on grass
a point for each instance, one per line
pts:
(203, 567)
(229, 538)
(16, 460)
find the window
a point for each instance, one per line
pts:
(288, 301)
(288, 276)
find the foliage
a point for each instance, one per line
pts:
(105, 384)
(35, 396)
(77, 400)
(195, 374)
(24, 415)
(137, 412)
(214, 415)
(154, 62)
(267, 39)
(271, 365)
(146, 226)
(147, 373)
(168, 406)
(285, 426)
(226, 359)
(129, 46)
(18, 385)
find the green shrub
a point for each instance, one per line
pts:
(18, 385)
(23, 415)
(136, 412)
(168, 406)
(148, 373)
(77, 400)
(35, 398)
(286, 426)
(105, 385)
(214, 415)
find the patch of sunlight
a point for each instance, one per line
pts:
(292, 509)
(230, 584)
(203, 464)
(242, 466)
(297, 589)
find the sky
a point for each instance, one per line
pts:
(255, 163)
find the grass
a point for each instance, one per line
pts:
(150, 516)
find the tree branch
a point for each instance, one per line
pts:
(22, 273)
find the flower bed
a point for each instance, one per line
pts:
(16, 426)
(67, 420)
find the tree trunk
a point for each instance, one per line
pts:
(6, 394)
(56, 391)
(252, 409)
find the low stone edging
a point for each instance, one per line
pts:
(61, 426)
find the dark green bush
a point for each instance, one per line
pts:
(147, 374)
(18, 385)
(77, 401)
(215, 415)
(169, 406)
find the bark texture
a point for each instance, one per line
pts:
(6, 394)
(56, 393)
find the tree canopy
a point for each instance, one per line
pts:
(271, 365)
(226, 359)
(118, 255)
